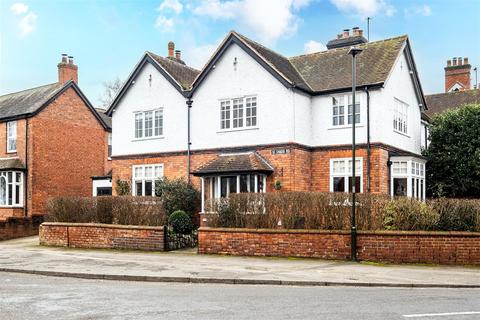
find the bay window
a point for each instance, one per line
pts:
(144, 179)
(341, 179)
(11, 188)
(408, 177)
(238, 113)
(149, 124)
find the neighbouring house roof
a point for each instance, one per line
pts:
(11, 163)
(235, 163)
(107, 119)
(182, 73)
(27, 103)
(332, 69)
(441, 102)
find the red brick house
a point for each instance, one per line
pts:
(52, 141)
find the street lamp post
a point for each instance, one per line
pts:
(354, 52)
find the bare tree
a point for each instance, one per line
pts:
(110, 90)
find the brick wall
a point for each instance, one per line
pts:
(90, 235)
(12, 227)
(460, 74)
(66, 148)
(387, 246)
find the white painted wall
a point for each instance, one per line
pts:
(100, 183)
(278, 108)
(142, 97)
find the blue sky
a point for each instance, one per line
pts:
(108, 37)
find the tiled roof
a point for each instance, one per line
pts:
(279, 62)
(235, 163)
(27, 101)
(182, 74)
(11, 163)
(105, 117)
(440, 102)
(332, 69)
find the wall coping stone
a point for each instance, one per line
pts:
(346, 232)
(101, 225)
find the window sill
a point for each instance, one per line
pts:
(11, 207)
(358, 125)
(149, 138)
(402, 133)
(11, 151)
(238, 129)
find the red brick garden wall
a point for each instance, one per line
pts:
(90, 235)
(18, 227)
(386, 246)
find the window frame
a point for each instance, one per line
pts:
(345, 98)
(414, 173)
(234, 111)
(346, 174)
(400, 117)
(148, 121)
(14, 184)
(143, 178)
(12, 135)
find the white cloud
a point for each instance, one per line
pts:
(363, 8)
(19, 8)
(164, 24)
(314, 46)
(423, 10)
(282, 18)
(28, 23)
(174, 5)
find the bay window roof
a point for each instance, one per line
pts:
(235, 164)
(11, 164)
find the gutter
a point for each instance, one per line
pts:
(189, 142)
(369, 152)
(25, 178)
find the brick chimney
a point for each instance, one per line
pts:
(67, 70)
(347, 39)
(457, 74)
(178, 55)
(171, 49)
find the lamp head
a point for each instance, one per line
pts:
(354, 51)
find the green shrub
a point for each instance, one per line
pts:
(457, 214)
(123, 187)
(180, 222)
(178, 195)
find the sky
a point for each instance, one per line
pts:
(108, 37)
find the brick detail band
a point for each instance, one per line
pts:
(460, 248)
(102, 236)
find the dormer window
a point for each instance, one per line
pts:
(12, 136)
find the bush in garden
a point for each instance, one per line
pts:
(123, 187)
(457, 214)
(181, 222)
(178, 195)
(409, 214)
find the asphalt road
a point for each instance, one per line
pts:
(26, 297)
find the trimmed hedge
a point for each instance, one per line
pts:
(180, 222)
(332, 211)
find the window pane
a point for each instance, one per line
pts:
(10, 193)
(357, 184)
(233, 184)
(138, 172)
(244, 183)
(223, 187)
(148, 172)
(148, 187)
(400, 186)
(148, 124)
(158, 171)
(251, 111)
(158, 123)
(17, 194)
(260, 183)
(138, 125)
(252, 183)
(138, 188)
(339, 184)
(3, 191)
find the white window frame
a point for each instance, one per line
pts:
(154, 131)
(414, 173)
(239, 113)
(347, 173)
(400, 116)
(146, 178)
(11, 180)
(11, 136)
(344, 102)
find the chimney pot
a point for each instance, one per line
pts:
(465, 60)
(460, 62)
(449, 63)
(64, 58)
(346, 33)
(454, 61)
(171, 49)
(339, 36)
(355, 31)
(178, 54)
(70, 60)
(360, 33)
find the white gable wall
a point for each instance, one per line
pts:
(278, 108)
(399, 85)
(141, 96)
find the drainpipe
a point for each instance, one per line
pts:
(25, 176)
(369, 152)
(189, 142)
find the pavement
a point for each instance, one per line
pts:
(26, 256)
(35, 297)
